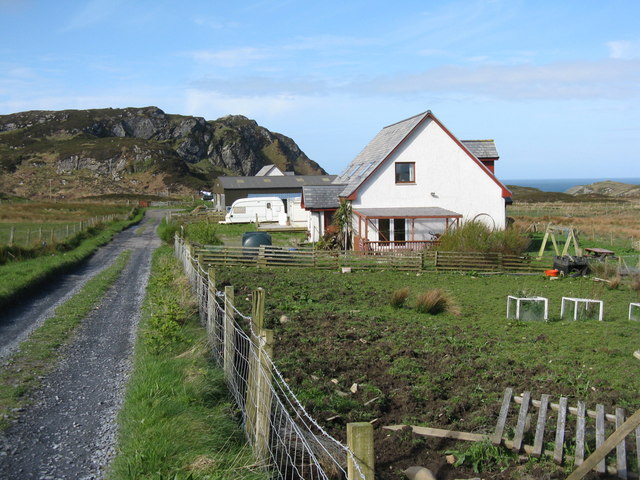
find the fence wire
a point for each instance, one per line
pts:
(293, 445)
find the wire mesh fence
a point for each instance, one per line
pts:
(285, 438)
(32, 234)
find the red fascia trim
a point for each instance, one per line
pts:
(505, 190)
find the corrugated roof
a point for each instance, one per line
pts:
(407, 212)
(376, 152)
(321, 197)
(481, 148)
(285, 181)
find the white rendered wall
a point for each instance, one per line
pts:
(459, 184)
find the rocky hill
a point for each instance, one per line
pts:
(608, 188)
(77, 153)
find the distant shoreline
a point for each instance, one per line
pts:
(564, 184)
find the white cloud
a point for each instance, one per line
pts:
(600, 79)
(232, 58)
(623, 49)
(91, 13)
(213, 104)
(562, 80)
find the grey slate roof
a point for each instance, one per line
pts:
(322, 197)
(482, 149)
(407, 212)
(376, 152)
(285, 181)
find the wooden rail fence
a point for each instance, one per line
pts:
(271, 256)
(483, 262)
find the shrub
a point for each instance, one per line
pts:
(203, 233)
(436, 301)
(635, 283)
(475, 236)
(167, 230)
(399, 297)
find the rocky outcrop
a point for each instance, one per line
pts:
(607, 188)
(113, 143)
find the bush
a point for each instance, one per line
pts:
(475, 236)
(436, 301)
(167, 230)
(203, 233)
(399, 297)
(635, 283)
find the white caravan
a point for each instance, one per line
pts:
(264, 209)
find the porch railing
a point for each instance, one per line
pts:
(397, 245)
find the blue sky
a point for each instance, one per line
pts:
(556, 84)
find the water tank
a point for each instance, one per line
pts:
(255, 239)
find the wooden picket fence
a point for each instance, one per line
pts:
(591, 430)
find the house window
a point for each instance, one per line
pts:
(384, 230)
(405, 172)
(399, 230)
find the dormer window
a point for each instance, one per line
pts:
(405, 172)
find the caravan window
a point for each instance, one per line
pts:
(239, 209)
(268, 204)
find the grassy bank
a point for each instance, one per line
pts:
(177, 418)
(19, 277)
(39, 353)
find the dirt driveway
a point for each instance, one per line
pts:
(70, 430)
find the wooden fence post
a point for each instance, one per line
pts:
(11, 235)
(229, 332)
(263, 397)
(253, 381)
(360, 443)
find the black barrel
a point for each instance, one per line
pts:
(255, 239)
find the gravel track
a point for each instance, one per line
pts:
(70, 430)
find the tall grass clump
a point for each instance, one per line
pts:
(475, 236)
(399, 297)
(436, 301)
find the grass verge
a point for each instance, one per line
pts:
(38, 354)
(176, 421)
(20, 277)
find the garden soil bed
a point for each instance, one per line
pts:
(350, 357)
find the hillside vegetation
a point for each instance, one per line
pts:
(78, 153)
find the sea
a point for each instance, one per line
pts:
(564, 184)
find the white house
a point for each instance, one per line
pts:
(414, 180)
